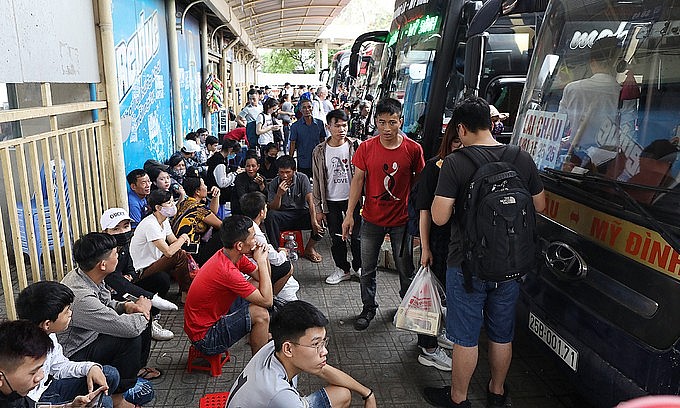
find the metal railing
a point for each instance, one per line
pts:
(54, 190)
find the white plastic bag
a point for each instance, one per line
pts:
(420, 310)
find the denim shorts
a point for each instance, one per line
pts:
(492, 303)
(229, 329)
(318, 399)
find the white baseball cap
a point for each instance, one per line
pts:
(112, 217)
(191, 146)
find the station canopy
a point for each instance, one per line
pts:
(286, 23)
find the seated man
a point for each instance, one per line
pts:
(291, 206)
(48, 305)
(104, 330)
(299, 345)
(140, 187)
(125, 280)
(222, 305)
(23, 350)
(254, 206)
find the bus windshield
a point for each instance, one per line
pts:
(413, 48)
(602, 99)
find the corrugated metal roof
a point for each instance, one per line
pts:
(285, 23)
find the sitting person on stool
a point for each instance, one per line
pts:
(291, 206)
(299, 344)
(222, 305)
(254, 206)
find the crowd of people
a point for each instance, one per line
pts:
(211, 218)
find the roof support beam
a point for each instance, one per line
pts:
(226, 14)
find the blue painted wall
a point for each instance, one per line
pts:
(140, 35)
(189, 50)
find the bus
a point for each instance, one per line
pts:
(426, 53)
(336, 75)
(600, 116)
(364, 64)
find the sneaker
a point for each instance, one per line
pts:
(497, 400)
(159, 333)
(441, 397)
(364, 319)
(338, 276)
(142, 393)
(437, 359)
(444, 342)
(356, 273)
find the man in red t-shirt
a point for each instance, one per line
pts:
(222, 305)
(386, 167)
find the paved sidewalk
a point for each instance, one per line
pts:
(382, 357)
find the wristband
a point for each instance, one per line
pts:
(368, 396)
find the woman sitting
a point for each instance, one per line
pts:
(195, 219)
(247, 182)
(154, 248)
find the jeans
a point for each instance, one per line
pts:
(65, 390)
(334, 218)
(372, 237)
(287, 220)
(490, 303)
(229, 329)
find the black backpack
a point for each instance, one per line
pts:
(498, 219)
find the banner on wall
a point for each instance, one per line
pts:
(189, 54)
(142, 67)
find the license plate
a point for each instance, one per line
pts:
(556, 343)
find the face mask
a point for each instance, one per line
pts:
(123, 239)
(271, 160)
(181, 173)
(13, 396)
(231, 156)
(168, 211)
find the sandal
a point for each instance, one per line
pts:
(313, 257)
(149, 373)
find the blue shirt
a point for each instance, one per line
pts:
(137, 208)
(306, 137)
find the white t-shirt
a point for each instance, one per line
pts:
(266, 137)
(339, 176)
(264, 383)
(142, 249)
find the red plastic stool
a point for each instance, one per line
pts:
(216, 400)
(298, 239)
(216, 362)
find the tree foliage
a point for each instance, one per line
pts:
(289, 61)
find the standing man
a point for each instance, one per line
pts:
(305, 134)
(333, 171)
(251, 110)
(491, 303)
(140, 187)
(386, 168)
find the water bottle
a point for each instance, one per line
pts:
(291, 247)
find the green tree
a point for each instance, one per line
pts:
(288, 61)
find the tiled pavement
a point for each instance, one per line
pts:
(382, 357)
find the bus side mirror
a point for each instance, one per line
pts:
(474, 58)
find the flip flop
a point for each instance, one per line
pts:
(313, 257)
(149, 373)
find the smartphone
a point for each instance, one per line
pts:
(191, 247)
(130, 298)
(96, 398)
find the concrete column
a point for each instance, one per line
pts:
(204, 69)
(173, 56)
(117, 185)
(324, 55)
(317, 60)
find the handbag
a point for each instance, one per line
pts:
(192, 265)
(421, 309)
